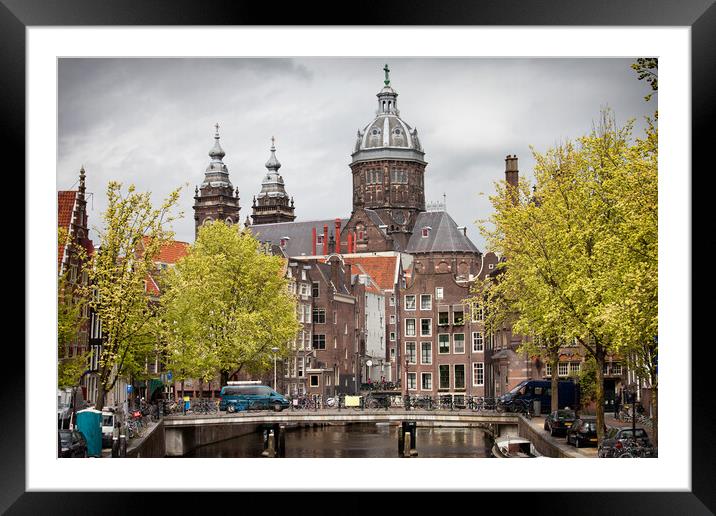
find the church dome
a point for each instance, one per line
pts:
(387, 136)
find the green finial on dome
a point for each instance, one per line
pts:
(387, 77)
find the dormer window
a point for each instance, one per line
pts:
(284, 241)
(426, 231)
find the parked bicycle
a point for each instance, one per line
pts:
(419, 402)
(633, 449)
(205, 406)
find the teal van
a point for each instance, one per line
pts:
(251, 396)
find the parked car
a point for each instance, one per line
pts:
(616, 437)
(72, 444)
(528, 391)
(108, 422)
(251, 395)
(583, 432)
(559, 421)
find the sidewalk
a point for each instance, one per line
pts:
(537, 423)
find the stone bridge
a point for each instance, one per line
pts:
(184, 433)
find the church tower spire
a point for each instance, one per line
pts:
(216, 199)
(272, 203)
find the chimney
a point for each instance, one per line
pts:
(350, 242)
(338, 235)
(347, 269)
(512, 175)
(335, 264)
(325, 239)
(313, 239)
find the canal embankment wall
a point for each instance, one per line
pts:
(152, 444)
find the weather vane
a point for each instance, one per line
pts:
(387, 71)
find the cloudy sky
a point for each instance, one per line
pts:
(150, 122)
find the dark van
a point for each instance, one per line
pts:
(530, 390)
(251, 397)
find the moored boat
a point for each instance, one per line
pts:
(512, 447)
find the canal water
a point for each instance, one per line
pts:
(358, 440)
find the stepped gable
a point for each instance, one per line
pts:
(443, 235)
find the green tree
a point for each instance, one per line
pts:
(132, 234)
(579, 248)
(226, 304)
(648, 68)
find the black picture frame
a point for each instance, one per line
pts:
(700, 15)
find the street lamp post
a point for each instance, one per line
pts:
(275, 350)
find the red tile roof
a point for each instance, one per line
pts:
(381, 269)
(169, 253)
(172, 251)
(65, 207)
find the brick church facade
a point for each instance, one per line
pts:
(414, 258)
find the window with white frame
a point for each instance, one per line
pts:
(426, 327)
(315, 290)
(616, 368)
(477, 313)
(410, 355)
(443, 343)
(426, 353)
(410, 302)
(478, 343)
(426, 383)
(438, 293)
(319, 342)
(459, 376)
(392, 335)
(548, 369)
(299, 365)
(392, 319)
(562, 368)
(478, 374)
(307, 313)
(574, 367)
(443, 318)
(458, 343)
(444, 376)
(392, 301)
(458, 317)
(319, 316)
(410, 328)
(412, 377)
(426, 302)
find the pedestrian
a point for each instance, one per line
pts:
(617, 404)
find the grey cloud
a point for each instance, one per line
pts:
(150, 122)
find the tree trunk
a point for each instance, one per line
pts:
(101, 396)
(201, 388)
(654, 415)
(224, 377)
(554, 361)
(600, 357)
(182, 391)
